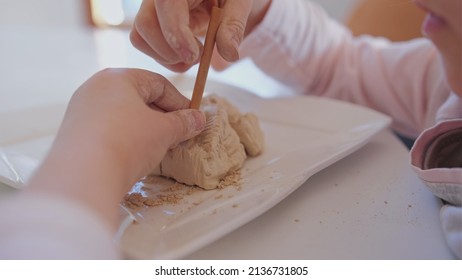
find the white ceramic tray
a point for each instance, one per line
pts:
(302, 134)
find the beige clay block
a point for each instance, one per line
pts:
(218, 151)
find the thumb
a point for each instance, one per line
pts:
(218, 62)
(232, 27)
(185, 124)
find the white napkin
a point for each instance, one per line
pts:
(15, 168)
(451, 220)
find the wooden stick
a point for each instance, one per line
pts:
(206, 57)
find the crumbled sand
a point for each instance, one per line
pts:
(169, 192)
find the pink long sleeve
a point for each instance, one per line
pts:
(50, 227)
(314, 54)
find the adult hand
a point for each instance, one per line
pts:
(167, 30)
(118, 126)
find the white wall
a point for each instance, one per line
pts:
(338, 9)
(71, 12)
(42, 12)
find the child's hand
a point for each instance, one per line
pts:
(118, 126)
(137, 113)
(167, 30)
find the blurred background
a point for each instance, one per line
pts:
(100, 12)
(48, 48)
(395, 19)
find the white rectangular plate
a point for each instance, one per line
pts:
(302, 135)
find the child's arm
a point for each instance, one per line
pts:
(118, 126)
(317, 55)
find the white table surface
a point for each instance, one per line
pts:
(387, 212)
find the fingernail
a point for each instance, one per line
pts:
(231, 53)
(235, 52)
(187, 55)
(198, 120)
(172, 40)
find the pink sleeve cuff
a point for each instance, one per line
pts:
(436, 157)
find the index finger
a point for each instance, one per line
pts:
(158, 91)
(174, 20)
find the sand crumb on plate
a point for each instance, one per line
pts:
(163, 191)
